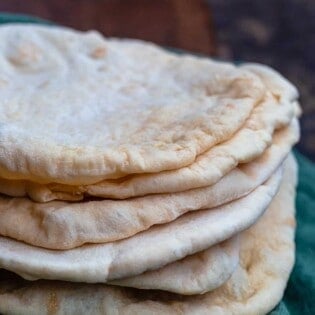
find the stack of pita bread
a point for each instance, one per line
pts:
(137, 181)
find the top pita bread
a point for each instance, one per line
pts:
(275, 111)
(89, 108)
(267, 257)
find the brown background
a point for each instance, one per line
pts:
(185, 24)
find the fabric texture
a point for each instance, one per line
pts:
(298, 298)
(299, 295)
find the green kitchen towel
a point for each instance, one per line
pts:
(299, 297)
(21, 18)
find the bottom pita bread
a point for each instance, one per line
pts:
(267, 256)
(195, 274)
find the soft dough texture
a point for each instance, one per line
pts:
(274, 112)
(267, 256)
(149, 250)
(64, 225)
(76, 108)
(195, 274)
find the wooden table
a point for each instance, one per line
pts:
(185, 24)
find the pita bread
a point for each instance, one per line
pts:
(185, 236)
(195, 274)
(63, 225)
(277, 84)
(267, 256)
(246, 145)
(90, 108)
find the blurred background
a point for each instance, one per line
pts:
(279, 33)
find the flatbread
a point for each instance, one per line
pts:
(149, 250)
(64, 225)
(267, 256)
(195, 274)
(277, 84)
(247, 144)
(90, 108)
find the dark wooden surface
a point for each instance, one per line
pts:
(184, 24)
(280, 33)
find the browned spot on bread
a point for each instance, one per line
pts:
(98, 53)
(290, 221)
(25, 54)
(230, 106)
